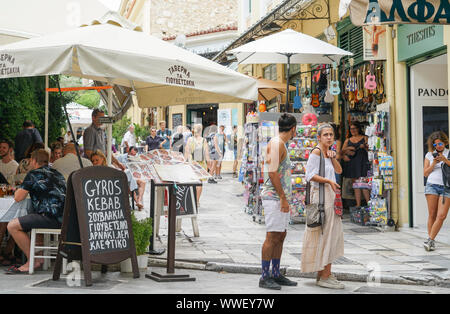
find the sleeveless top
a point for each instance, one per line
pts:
(197, 152)
(268, 191)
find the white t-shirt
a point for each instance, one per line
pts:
(313, 168)
(69, 164)
(436, 176)
(8, 169)
(130, 138)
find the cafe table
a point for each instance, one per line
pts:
(10, 209)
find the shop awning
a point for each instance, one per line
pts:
(363, 12)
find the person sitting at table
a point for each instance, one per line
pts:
(24, 164)
(56, 152)
(70, 163)
(99, 159)
(47, 190)
(8, 166)
(124, 159)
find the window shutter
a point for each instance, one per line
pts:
(351, 39)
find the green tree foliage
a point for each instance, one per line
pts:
(90, 99)
(120, 128)
(141, 132)
(24, 99)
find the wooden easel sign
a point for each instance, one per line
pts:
(97, 221)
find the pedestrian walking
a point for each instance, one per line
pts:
(437, 192)
(323, 245)
(197, 150)
(221, 141)
(234, 145)
(128, 140)
(213, 152)
(166, 134)
(276, 196)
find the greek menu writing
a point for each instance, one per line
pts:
(106, 220)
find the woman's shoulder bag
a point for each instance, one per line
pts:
(315, 213)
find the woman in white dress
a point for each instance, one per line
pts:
(323, 245)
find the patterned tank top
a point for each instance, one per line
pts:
(268, 191)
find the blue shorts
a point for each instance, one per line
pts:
(436, 189)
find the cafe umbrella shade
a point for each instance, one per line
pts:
(288, 47)
(160, 73)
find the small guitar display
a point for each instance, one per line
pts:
(297, 100)
(371, 83)
(334, 85)
(328, 97)
(351, 80)
(314, 96)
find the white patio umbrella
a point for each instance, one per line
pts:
(160, 73)
(288, 47)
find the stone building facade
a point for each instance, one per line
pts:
(166, 18)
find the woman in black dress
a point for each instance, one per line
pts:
(356, 160)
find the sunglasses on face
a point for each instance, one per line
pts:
(438, 144)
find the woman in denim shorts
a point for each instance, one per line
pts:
(437, 194)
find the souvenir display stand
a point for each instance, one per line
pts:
(380, 177)
(250, 172)
(257, 136)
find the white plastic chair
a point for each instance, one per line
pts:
(50, 246)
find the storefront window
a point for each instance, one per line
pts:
(270, 72)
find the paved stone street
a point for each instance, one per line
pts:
(225, 260)
(230, 240)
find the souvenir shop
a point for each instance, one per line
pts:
(361, 95)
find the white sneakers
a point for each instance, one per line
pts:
(331, 282)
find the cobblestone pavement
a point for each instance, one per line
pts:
(230, 240)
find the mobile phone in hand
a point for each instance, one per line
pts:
(435, 154)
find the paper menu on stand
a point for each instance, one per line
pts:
(181, 173)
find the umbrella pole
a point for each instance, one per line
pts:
(63, 104)
(287, 80)
(109, 128)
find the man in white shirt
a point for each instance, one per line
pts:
(8, 166)
(129, 139)
(69, 163)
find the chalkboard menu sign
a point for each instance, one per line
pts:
(185, 200)
(105, 215)
(97, 221)
(177, 120)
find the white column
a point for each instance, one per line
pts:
(46, 112)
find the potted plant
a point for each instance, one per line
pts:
(142, 230)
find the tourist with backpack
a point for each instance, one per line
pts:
(437, 190)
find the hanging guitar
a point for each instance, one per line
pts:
(297, 100)
(371, 83)
(306, 95)
(351, 80)
(314, 96)
(334, 85)
(328, 97)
